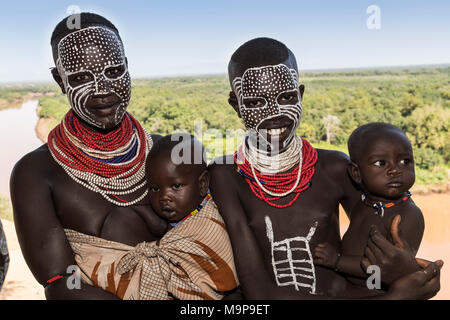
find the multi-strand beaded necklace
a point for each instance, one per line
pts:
(111, 164)
(296, 165)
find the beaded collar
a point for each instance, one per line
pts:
(380, 206)
(111, 164)
(199, 207)
(273, 187)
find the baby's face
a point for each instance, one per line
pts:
(174, 189)
(387, 166)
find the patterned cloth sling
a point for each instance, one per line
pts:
(193, 261)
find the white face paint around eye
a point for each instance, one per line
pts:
(268, 83)
(93, 51)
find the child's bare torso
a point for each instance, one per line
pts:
(363, 217)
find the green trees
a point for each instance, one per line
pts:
(429, 128)
(166, 105)
(416, 100)
(334, 104)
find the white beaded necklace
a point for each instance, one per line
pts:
(115, 185)
(282, 162)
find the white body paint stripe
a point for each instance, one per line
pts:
(294, 270)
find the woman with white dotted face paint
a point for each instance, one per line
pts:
(90, 177)
(92, 66)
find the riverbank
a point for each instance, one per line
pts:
(43, 126)
(17, 103)
(18, 137)
(20, 283)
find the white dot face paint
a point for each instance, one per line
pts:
(95, 55)
(268, 84)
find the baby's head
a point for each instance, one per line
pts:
(177, 176)
(382, 160)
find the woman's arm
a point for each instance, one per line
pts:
(41, 237)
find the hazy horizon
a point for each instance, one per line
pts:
(178, 38)
(200, 75)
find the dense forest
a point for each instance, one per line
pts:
(335, 103)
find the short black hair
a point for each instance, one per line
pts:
(358, 138)
(167, 143)
(87, 19)
(260, 52)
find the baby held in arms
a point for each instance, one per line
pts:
(382, 164)
(193, 260)
(197, 244)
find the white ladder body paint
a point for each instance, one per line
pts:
(296, 266)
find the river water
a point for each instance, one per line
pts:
(17, 138)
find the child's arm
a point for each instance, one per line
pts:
(328, 256)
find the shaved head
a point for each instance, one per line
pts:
(362, 137)
(260, 52)
(180, 149)
(87, 19)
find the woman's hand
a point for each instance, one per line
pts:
(423, 284)
(395, 260)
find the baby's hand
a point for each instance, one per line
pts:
(325, 255)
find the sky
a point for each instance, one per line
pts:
(180, 37)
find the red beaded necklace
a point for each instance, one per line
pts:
(280, 182)
(111, 164)
(71, 155)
